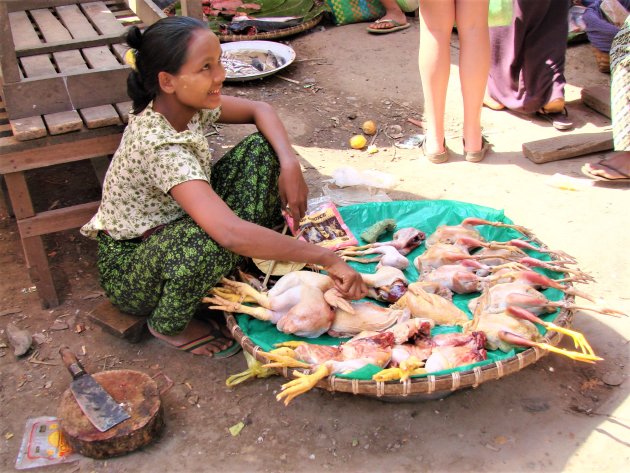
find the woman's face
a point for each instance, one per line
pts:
(198, 83)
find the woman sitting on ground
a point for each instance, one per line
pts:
(170, 225)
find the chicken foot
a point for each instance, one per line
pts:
(578, 339)
(302, 383)
(517, 340)
(410, 367)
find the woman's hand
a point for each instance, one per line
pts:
(293, 191)
(347, 280)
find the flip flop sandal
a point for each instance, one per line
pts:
(396, 26)
(588, 173)
(477, 156)
(559, 120)
(214, 334)
(435, 158)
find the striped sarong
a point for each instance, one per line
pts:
(620, 88)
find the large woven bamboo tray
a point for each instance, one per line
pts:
(271, 35)
(431, 386)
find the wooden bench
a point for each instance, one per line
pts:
(64, 89)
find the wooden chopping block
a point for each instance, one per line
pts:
(567, 146)
(140, 397)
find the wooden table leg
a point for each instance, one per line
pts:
(34, 251)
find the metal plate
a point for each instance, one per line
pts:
(284, 53)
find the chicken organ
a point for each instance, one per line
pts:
(387, 284)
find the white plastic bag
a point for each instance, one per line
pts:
(354, 195)
(347, 176)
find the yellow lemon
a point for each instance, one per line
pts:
(369, 127)
(358, 142)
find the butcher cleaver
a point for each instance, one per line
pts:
(94, 401)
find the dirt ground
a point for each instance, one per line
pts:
(557, 415)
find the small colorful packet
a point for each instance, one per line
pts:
(43, 444)
(324, 226)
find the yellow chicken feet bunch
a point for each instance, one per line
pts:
(283, 357)
(410, 367)
(578, 339)
(255, 370)
(522, 341)
(303, 383)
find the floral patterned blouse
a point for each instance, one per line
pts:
(152, 158)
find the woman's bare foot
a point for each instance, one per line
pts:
(199, 338)
(614, 168)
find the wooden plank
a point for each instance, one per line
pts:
(63, 122)
(192, 8)
(34, 251)
(57, 220)
(74, 91)
(101, 57)
(567, 146)
(19, 195)
(117, 323)
(123, 109)
(52, 47)
(39, 271)
(106, 23)
(103, 115)
(148, 12)
(9, 70)
(52, 30)
(29, 128)
(24, 35)
(76, 22)
(597, 98)
(67, 62)
(80, 27)
(102, 18)
(9, 146)
(32, 4)
(69, 148)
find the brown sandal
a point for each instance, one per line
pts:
(477, 156)
(435, 158)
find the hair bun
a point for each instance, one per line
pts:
(134, 38)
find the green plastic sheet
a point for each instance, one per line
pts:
(425, 215)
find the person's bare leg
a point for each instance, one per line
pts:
(474, 64)
(436, 24)
(392, 12)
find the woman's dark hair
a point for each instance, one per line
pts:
(162, 47)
